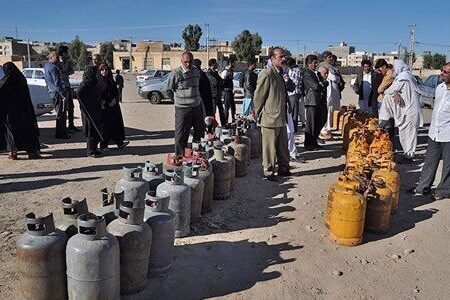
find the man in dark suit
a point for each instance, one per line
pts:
(315, 103)
(377, 78)
(363, 87)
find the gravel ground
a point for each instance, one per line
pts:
(267, 241)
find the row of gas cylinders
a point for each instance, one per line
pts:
(112, 251)
(367, 192)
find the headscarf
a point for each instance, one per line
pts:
(11, 73)
(89, 77)
(403, 73)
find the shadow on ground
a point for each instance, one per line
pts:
(217, 268)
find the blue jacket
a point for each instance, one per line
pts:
(53, 78)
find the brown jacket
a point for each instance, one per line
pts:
(270, 99)
(388, 79)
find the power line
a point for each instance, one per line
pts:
(433, 45)
(95, 29)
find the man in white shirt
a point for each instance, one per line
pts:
(438, 142)
(363, 87)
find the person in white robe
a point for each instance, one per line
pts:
(401, 102)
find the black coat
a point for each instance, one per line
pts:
(90, 104)
(216, 84)
(358, 87)
(18, 125)
(206, 94)
(250, 79)
(314, 89)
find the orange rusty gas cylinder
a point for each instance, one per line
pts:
(381, 144)
(379, 202)
(345, 180)
(347, 217)
(358, 145)
(392, 178)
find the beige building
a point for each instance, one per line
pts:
(157, 55)
(355, 59)
(389, 58)
(341, 50)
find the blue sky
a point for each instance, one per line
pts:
(368, 25)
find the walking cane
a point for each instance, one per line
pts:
(90, 120)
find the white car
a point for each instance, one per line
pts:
(40, 98)
(150, 74)
(36, 76)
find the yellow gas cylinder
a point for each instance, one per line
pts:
(337, 114)
(381, 144)
(358, 145)
(350, 128)
(344, 180)
(347, 217)
(345, 110)
(392, 179)
(379, 202)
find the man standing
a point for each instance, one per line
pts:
(298, 108)
(55, 86)
(96, 61)
(66, 69)
(270, 112)
(205, 89)
(315, 90)
(336, 85)
(249, 79)
(228, 96)
(380, 67)
(216, 83)
(402, 103)
(183, 90)
(119, 83)
(438, 142)
(363, 87)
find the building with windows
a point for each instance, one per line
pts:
(341, 51)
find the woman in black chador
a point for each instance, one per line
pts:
(91, 111)
(18, 124)
(112, 128)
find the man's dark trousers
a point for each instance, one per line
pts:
(228, 99)
(70, 108)
(436, 151)
(293, 100)
(60, 114)
(185, 118)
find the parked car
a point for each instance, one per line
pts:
(237, 90)
(154, 90)
(40, 98)
(36, 76)
(150, 74)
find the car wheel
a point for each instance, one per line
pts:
(154, 98)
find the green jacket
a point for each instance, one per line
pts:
(270, 99)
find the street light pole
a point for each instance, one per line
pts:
(28, 50)
(207, 43)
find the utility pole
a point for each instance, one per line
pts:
(207, 43)
(131, 54)
(412, 43)
(17, 35)
(28, 50)
(304, 57)
(399, 50)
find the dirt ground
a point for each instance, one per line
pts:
(267, 241)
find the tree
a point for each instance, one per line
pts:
(191, 36)
(427, 61)
(438, 61)
(78, 53)
(106, 53)
(246, 45)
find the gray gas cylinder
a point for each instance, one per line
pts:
(222, 168)
(72, 209)
(240, 154)
(93, 261)
(180, 199)
(205, 172)
(225, 136)
(41, 259)
(254, 133)
(152, 173)
(245, 139)
(233, 166)
(135, 241)
(197, 189)
(110, 205)
(162, 221)
(133, 186)
(217, 132)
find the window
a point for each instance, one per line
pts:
(166, 63)
(38, 74)
(147, 63)
(28, 73)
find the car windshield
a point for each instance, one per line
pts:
(150, 72)
(430, 81)
(237, 75)
(1, 73)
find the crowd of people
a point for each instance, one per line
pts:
(283, 99)
(99, 96)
